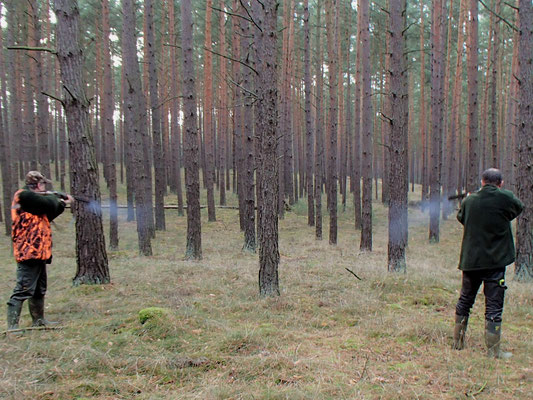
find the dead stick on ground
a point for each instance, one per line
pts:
(364, 369)
(353, 273)
(473, 395)
(33, 328)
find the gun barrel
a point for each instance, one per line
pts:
(64, 196)
(82, 199)
(458, 196)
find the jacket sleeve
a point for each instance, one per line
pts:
(39, 204)
(515, 206)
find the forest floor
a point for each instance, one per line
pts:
(328, 336)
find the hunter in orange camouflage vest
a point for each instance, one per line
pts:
(31, 234)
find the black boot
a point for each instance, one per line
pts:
(36, 306)
(13, 314)
(493, 331)
(461, 322)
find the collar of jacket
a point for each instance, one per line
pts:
(489, 187)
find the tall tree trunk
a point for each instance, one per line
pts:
(192, 175)
(454, 168)
(5, 145)
(238, 169)
(332, 38)
(175, 129)
(319, 127)
(208, 114)
(266, 130)
(91, 256)
(158, 160)
(248, 190)
(308, 119)
(286, 102)
(437, 99)
(357, 132)
(385, 125)
(511, 117)
(15, 101)
(135, 126)
(422, 115)
(446, 139)
(524, 231)
(61, 135)
(494, 111)
(223, 107)
(42, 102)
(366, 129)
(398, 182)
(108, 103)
(452, 132)
(472, 183)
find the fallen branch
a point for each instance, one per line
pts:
(32, 328)
(473, 395)
(353, 273)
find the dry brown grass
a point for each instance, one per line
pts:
(328, 336)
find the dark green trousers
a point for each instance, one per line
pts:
(31, 281)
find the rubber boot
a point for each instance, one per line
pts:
(36, 307)
(493, 332)
(461, 322)
(13, 315)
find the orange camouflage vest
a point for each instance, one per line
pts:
(31, 234)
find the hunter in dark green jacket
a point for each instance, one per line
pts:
(487, 249)
(487, 238)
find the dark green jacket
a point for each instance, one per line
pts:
(487, 238)
(38, 204)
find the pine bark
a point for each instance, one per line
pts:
(208, 114)
(398, 99)
(452, 164)
(158, 160)
(248, 189)
(357, 133)
(192, 175)
(238, 170)
(91, 256)
(223, 104)
(366, 128)
(15, 98)
(308, 118)
(332, 38)
(175, 128)
(319, 127)
(108, 108)
(494, 110)
(437, 100)
(286, 102)
(524, 231)
(5, 145)
(422, 115)
(266, 130)
(135, 126)
(472, 183)
(42, 102)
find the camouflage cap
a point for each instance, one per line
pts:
(34, 177)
